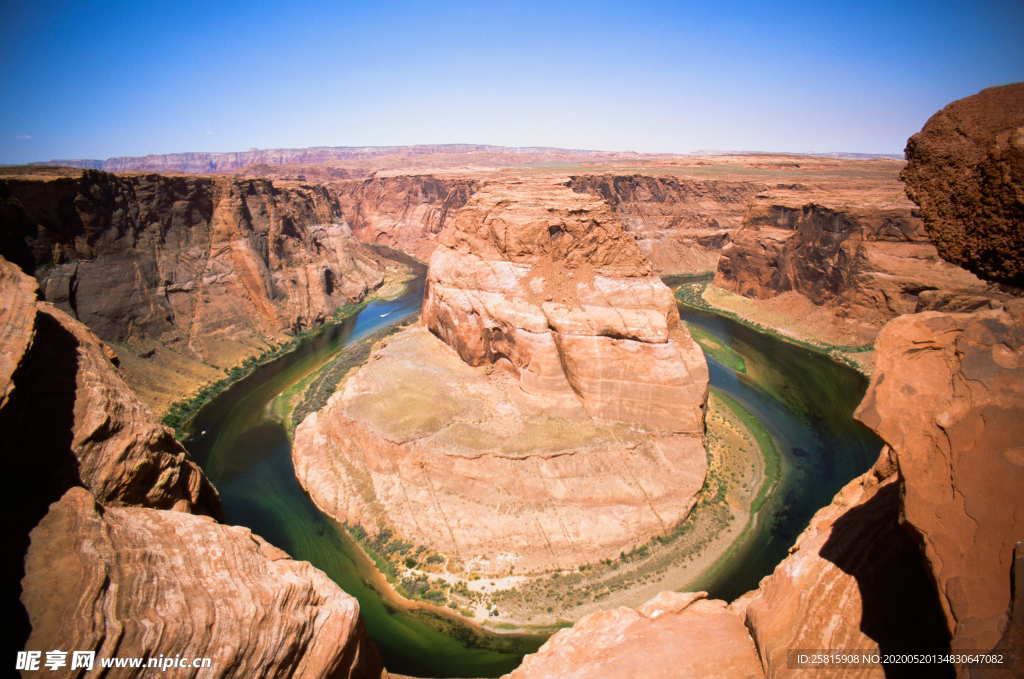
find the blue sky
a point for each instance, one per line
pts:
(99, 79)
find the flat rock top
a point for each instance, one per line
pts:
(417, 387)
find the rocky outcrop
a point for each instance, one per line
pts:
(948, 398)
(68, 418)
(404, 212)
(854, 580)
(134, 582)
(966, 171)
(443, 455)
(560, 420)
(680, 224)
(66, 400)
(869, 265)
(672, 636)
(212, 270)
(546, 281)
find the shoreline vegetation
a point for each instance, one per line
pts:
(179, 415)
(689, 290)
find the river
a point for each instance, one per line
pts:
(804, 400)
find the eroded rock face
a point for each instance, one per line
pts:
(127, 581)
(681, 225)
(672, 636)
(68, 404)
(948, 398)
(966, 171)
(68, 418)
(854, 579)
(870, 264)
(547, 281)
(211, 269)
(405, 212)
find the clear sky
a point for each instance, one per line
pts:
(98, 79)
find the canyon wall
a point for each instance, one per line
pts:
(403, 212)
(865, 265)
(347, 156)
(548, 413)
(193, 273)
(680, 224)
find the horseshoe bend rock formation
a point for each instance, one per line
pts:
(966, 172)
(194, 272)
(546, 281)
(129, 581)
(559, 421)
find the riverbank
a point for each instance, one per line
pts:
(180, 414)
(790, 318)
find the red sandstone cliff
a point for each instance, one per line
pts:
(405, 212)
(868, 265)
(110, 566)
(680, 224)
(199, 272)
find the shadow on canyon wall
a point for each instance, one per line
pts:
(37, 422)
(901, 609)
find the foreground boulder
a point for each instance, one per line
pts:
(948, 397)
(134, 582)
(672, 636)
(965, 170)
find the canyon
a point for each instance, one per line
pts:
(547, 412)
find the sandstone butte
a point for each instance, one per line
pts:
(547, 413)
(924, 551)
(122, 562)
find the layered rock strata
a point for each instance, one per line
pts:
(965, 170)
(168, 267)
(133, 582)
(866, 265)
(110, 567)
(680, 224)
(559, 421)
(547, 282)
(404, 212)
